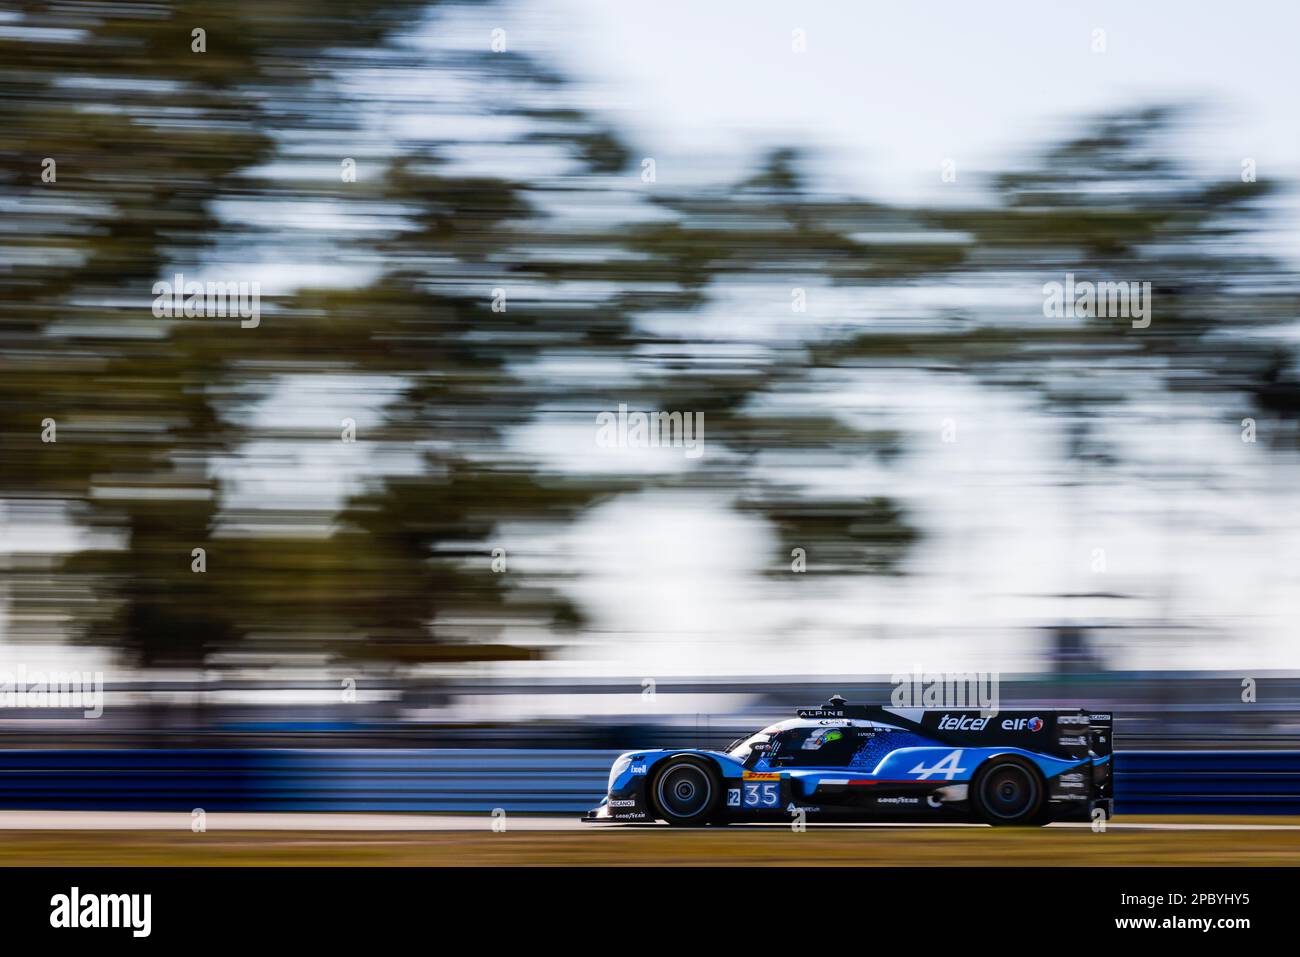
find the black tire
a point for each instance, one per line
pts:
(1009, 791)
(686, 791)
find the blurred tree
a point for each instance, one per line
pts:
(143, 134)
(474, 287)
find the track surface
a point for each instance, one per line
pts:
(90, 838)
(162, 821)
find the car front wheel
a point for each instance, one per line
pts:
(686, 791)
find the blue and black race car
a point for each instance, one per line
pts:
(864, 762)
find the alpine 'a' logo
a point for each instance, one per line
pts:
(947, 766)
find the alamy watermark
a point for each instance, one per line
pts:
(53, 689)
(651, 430)
(947, 689)
(75, 909)
(192, 300)
(1100, 300)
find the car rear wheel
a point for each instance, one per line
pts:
(1009, 791)
(686, 791)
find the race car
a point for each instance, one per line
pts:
(868, 763)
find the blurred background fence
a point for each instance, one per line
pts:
(1186, 741)
(1154, 710)
(519, 781)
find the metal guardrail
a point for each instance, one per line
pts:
(523, 781)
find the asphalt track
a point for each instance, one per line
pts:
(89, 839)
(125, 838)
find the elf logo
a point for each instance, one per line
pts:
(1022, 724)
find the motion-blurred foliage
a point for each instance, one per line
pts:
(162, 152)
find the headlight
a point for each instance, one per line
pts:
(623, 762)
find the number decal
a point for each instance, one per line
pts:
(762, 793)
(733, 797)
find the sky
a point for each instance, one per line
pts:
(884, 94)
(891, 90)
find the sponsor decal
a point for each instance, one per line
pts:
(622, 803)
(638, 769)
(963, 722)
(898, 800)
(1071, 719)
(1023, 724)
(1073, 739)
(760, 776)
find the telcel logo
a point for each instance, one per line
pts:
(963, 723)
(1022, 724)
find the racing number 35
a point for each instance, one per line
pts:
(762, 793)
